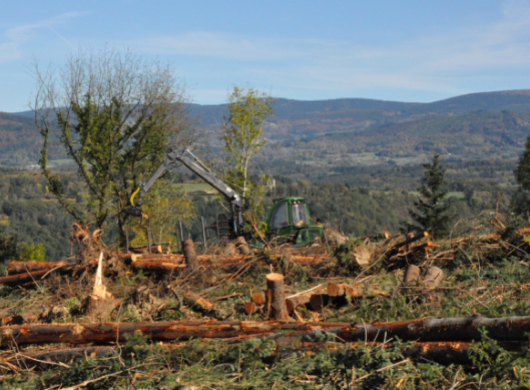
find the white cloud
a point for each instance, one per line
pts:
(436, 63)
(18, 36)
(227, 46)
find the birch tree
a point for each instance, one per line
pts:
(242, 137)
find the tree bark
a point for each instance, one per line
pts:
(276, 297)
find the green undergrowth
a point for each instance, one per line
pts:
(256, 364)
(494, 289)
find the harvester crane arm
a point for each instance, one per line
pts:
(200, 169)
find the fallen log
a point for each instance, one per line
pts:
(32, 277)
(411, 240)
(197, 300)
(160, 267)
(442, 329)
(145, 249)
(155, 257)
(112, 332)
(339, 290)
(21, 267)
(23, 278)
(166, 263)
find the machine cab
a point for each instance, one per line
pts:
(289, 218)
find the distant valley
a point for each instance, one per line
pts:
(319, 137)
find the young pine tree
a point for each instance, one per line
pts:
(520, 202)
(431, 211)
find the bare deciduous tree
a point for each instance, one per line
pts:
(115, 113)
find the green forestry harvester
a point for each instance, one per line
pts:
(287, 220)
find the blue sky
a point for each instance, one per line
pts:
(392, 50)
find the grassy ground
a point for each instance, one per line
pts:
(473, 285)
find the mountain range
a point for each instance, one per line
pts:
(349, 132)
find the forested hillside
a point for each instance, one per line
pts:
(20, 142)
(348, 132)
(476, 136)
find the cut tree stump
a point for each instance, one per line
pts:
(99, 305)
(337, 290)
(300, 301)
(276, 297)
(319, 301)
(251, 308)
(189, 254)
(362, 255)
(433, 278)
(412, 273)
(258, 298)
(242, 246)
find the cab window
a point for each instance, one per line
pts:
(279, 217)
(299, 214)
